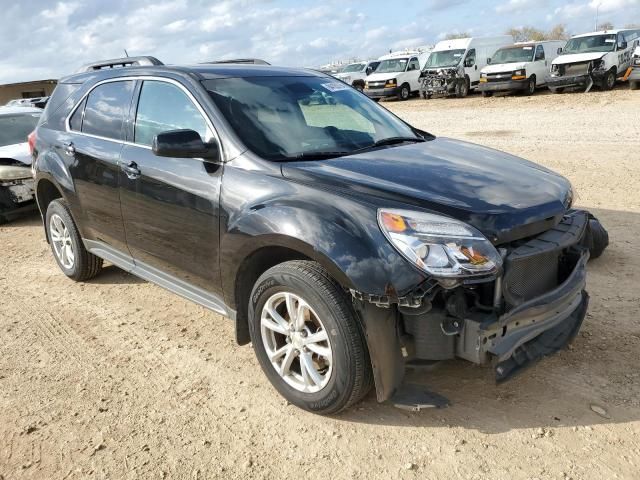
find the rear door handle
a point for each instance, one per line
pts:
(131, 170)
(69, 148)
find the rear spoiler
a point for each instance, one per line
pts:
(120, 63)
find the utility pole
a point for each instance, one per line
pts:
(595, 29)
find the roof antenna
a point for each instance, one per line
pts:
(125, 53)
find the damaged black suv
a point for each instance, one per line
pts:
(344, 243)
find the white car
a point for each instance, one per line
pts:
(520, 67)
(16, 182)
(454, 65)
(634, 74)
(597, 58)
(398, 75)
(355, 74)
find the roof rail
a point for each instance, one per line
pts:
(254, 61)
(120, 63)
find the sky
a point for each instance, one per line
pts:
(44, 39)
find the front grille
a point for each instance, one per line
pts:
(575, 69)
(498, 77)
(535, 267)
(376, 85)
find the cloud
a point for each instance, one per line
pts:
(519, 6)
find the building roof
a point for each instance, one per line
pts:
(31, 82)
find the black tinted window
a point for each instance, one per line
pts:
(163, 107)
(106, 107)
(75, 122)
(15, 128)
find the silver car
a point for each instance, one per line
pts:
(16, 183)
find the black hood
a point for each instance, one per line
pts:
(504, 196)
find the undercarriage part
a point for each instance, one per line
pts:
(430, 340)
(547, 343)
(414, 398)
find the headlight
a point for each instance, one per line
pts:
(636, 61)
(483, 75)
(598, 64)
(441, 246)
(391, 83)
(519, 74)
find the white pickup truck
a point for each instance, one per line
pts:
(520, 67)
(597, 58)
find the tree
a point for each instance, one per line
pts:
(605, 26)
(453, 36)
(632, 25)
(524, 34)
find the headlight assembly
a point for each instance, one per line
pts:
(441, 246)
(519, 74)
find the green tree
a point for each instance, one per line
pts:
(524, 34)
(606, 26)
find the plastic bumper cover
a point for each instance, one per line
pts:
(381, 92)
(502, 86)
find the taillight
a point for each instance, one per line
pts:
(31, 138)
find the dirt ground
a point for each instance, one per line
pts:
(117, 378)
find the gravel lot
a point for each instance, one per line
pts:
(117, 378)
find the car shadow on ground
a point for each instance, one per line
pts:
(596, 381)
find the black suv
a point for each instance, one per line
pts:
(343, 242)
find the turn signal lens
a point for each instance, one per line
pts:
(393, 222)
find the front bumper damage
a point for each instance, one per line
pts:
(533, 309)
(503, 85)
(16, 192)
(577, 75)
(439, 82)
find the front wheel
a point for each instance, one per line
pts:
(462, 88)
(531, 86)
(307, 338)
(405, 92)
(610, 80)
(72, 257)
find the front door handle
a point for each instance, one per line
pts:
(132, 171)
(69, 148)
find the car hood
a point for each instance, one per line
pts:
(578, 57)
(504, 67)
(19, 152)
(504, 196)
(382, 77)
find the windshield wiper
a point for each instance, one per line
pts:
(387, 141)
(313, 156)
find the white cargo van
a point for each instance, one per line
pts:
(596, 58)
(355, 73)
(398, 75)
(634, 74)
(454, 65)
(520, 67)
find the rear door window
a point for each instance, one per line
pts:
(106, 107)
(163, 107)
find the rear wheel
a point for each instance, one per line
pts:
(307, 338)
(72, 257)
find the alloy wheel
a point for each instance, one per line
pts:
(296, 342)
(61, 239)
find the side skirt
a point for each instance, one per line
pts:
(197, 295)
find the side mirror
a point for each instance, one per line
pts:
(488, 61)
(368, 71)
(559, 50)
(622, 45)
(183, 144)
(469, 62)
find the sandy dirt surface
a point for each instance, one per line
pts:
(117, 378)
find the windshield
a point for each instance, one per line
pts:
(354, 67)
(282, 118)
(445, 58)
(392, 65)
(513, 55)
(15, 128)
(593, 43)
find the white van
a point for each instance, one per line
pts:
(634, 73)
(398, 75)
(520, 67)
(593, 58)
(355, 73)
(454, 65)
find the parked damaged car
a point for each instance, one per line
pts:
(16, 182)
(345, 243)
(454, 66)
(590, 59)
(633, 74)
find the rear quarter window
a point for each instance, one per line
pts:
(106, 107)
(59, 105)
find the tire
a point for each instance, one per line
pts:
(634, 85)
(348, 376)
(598, 239)
(531, 86)
(557, 90)
(77, 263)
(358, 86)
(609, 81)
(405, 92)
(487, 94)
(462, 88)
